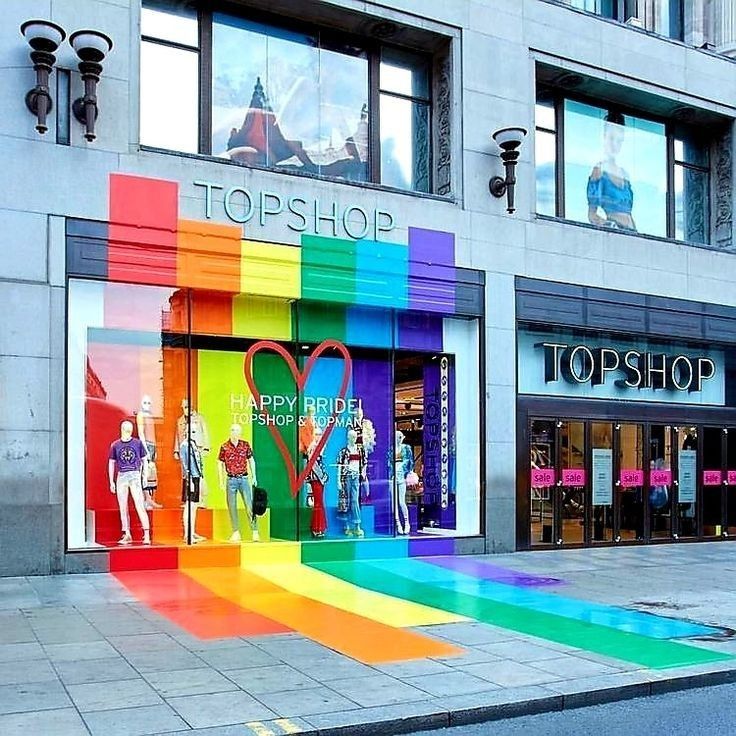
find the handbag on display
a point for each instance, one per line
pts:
(260, 501)
(412, 479)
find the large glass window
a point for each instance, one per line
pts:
(691, 184)
(615, 170)
(545, 155)
(183, 402)
(405, 119)
(621, 171)
(170, 77)
(264, 94)
(664, 17)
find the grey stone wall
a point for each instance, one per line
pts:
(495, 45)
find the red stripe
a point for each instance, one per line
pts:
(142, 236)
(195, 608)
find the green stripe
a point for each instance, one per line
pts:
(328, 269)
(322, 321)
(634, 648)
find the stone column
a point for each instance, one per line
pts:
(723, 14)
(697, 29)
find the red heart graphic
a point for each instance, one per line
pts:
(300, 378)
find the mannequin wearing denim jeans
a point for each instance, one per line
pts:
(400, 463)
(351, 467)
(237, 470)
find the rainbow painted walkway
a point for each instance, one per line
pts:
(363, 600)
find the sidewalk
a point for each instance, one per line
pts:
(80, 655)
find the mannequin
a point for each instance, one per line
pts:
(127, 457)
(367, 440)
(191, 472)
(403, 463)
(610, 194)
(317, 479)
(307, 429)
(147, 435)
(351, 471)
(237, 471)
(191, 425)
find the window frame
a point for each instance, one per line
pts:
(372, 48)
(672, 128)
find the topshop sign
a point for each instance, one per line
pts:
(563, 364)
(579, 363)
(300, 214)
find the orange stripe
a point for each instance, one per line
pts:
(195, 608)
(208, 256)
(361, 638)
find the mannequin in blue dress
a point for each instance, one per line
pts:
(610, 195)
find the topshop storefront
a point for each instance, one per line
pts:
(626, 418)
(339, 374)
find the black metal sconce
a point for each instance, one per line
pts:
(44, 37)
(509, 140)
(91, 48)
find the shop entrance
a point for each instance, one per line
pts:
(596, 481)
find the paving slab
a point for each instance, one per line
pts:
(27, 671)
(21, 651)
(144, 721)
(452, 683)
(95, 670)
(62, 722)
(271, 679)
(220, 709)
(113, 695)
(306, 702)
(199, 681)
(32, 697)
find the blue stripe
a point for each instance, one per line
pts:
(644, 624)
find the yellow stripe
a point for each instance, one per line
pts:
(259, 729)
(287, 726)
(324, 588)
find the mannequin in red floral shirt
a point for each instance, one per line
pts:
(237, 470)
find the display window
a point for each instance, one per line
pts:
(200, 417)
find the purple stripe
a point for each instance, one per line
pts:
(419, 331)
(431, 270)
(487, 571)
(431, 546)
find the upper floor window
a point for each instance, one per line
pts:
(287, 97)
(665, 17)
(621, 171)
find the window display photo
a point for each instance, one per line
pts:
(181, 438)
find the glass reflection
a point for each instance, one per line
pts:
(545, 153)
(606, 8)
(307, 106)
(687, 443)
(543, 479)
(660, 481)
(615, 170)
(691, 205)
(404, 144)
(169, 93)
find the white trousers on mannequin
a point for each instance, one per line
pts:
(129, 483)
(400, 482)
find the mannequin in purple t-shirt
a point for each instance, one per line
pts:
(129, 458)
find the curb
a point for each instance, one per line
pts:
(534, 706)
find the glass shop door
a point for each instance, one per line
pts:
(629, 508)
